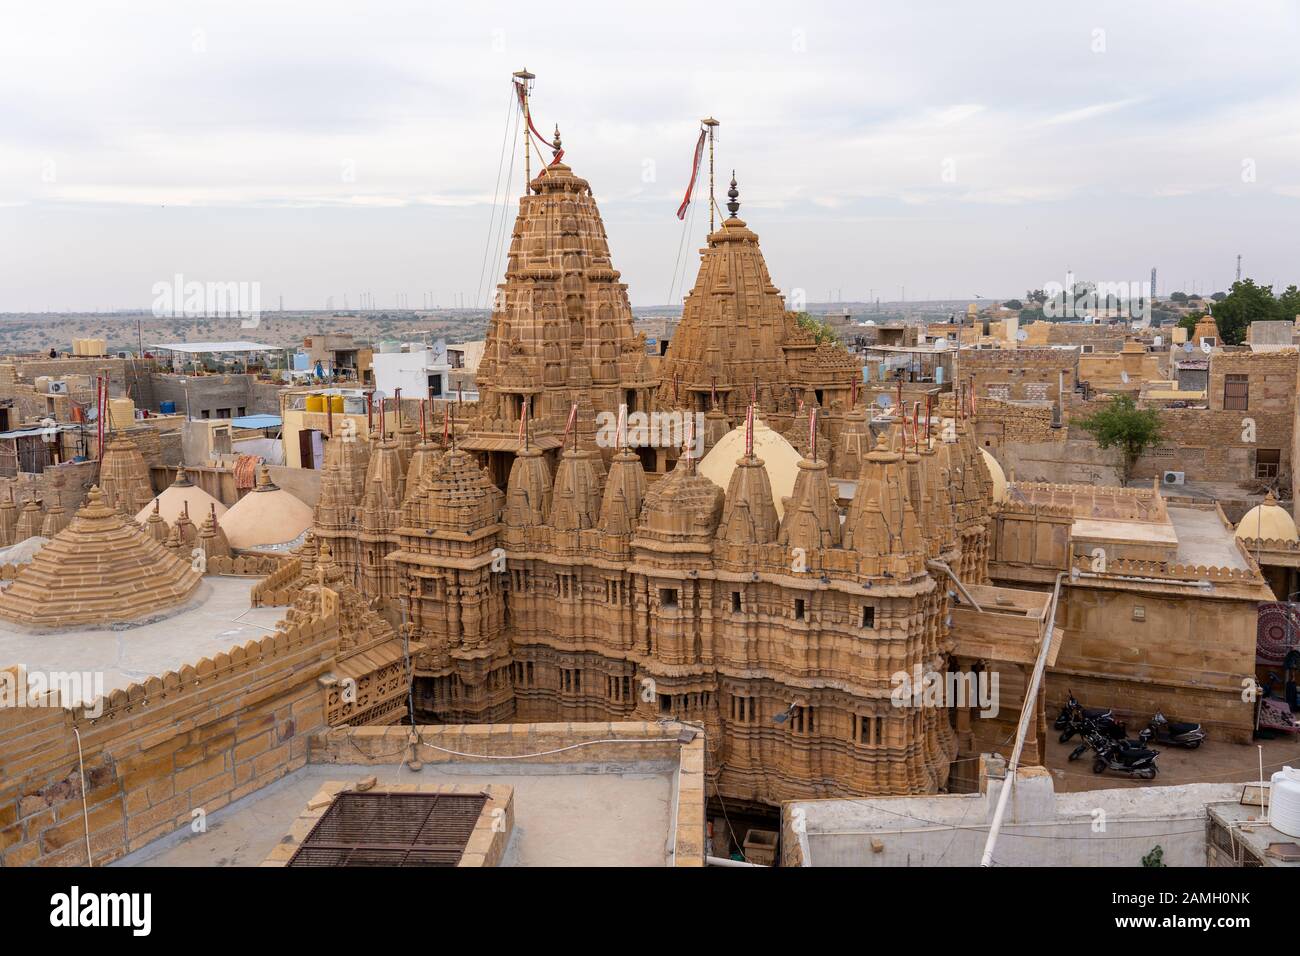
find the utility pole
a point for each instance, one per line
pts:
(1239, 267)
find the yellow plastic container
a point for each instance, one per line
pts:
(315, 403)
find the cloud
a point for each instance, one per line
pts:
(1089, 112)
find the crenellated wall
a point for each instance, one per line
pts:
(160, 755)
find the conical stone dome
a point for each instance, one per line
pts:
(99, 570)
(528, 493)
(176, 496)
(733, 330)
(124, 476)
(267, 515)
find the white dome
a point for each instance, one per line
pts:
(778, 456)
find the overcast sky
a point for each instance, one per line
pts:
(953, 149)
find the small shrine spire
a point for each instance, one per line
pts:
(733, 198)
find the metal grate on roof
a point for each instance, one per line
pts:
(392, 829)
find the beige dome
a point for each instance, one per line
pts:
(176, 496)
(998, 475)
(777, 454)
(266, 515)
(1268, 520)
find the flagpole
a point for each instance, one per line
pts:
(711, 124)
(527, 83)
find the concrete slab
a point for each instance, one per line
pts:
(1203, 540)
(133, 654)
(565, 815)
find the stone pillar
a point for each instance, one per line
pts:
(965, 736)
(1032, 753)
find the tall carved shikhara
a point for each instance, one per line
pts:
(577, 590)
(561, 328)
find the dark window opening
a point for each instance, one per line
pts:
(1236, 392)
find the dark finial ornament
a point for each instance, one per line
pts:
(555, 147)
(733, 196)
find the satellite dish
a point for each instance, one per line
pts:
(940, 345)
(884, 401)
(1187, 346)
(1021, 335)
(1206, 347)
(1123, 377)
(378, 395)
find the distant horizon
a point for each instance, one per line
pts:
(943, 150)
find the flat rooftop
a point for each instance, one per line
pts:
(221, 620)
(598, 814)
(1204, 540)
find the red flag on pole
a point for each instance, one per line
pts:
(559, 153)
(573, 417)
(695, 171)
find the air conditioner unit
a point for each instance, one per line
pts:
(1173, 478)
(57, 388)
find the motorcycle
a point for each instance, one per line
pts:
(1075, 719)
(1164, 731)
(1124, 756)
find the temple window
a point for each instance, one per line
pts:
(799, 609)
(802, 721)
(743, 709)
(735, 602)
(868, 617)
(668, 599)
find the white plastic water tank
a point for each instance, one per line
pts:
(1284, 802)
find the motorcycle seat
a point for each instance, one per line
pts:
(1177, 728)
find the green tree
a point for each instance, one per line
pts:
(1288, 304)
(1244, 304)
(1178, 297)
(1015, 304)
(1189, 321)
(1156, 858)
(1124, 426)
(820, 330)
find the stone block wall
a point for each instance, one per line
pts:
(1022, 374)
(159, 752)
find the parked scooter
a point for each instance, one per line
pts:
(1123, 756)
(1164, 731)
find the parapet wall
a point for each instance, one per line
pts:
(619, 742)
(160, 755)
